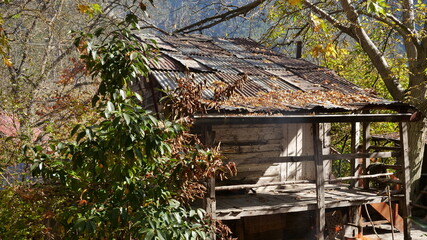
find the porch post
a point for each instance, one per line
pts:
(209, 202)
(365, 148)
(406, 179)
(355, 144)
(320, 182)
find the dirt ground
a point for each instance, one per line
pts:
(384, 232)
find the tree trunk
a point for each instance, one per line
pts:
(416, 153)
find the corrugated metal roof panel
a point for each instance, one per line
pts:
(210, 82)
(272, 83)
(246, 54)
(227, 44)
(222, 64)
(291, 63)
(167, 79)
(186, 61)
(162, 45)
(249, 88)
(294, 80)
(210, 49)
(327, 79)
(264, 64)
(253, 46)
(165, 63)
(251, 70)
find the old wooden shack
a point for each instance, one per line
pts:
(272, 115)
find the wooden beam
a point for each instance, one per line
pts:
(404, 159)
(320, 182)
(326, 157)
(354, 216)
(247, 186)
(366, 143)
(330, 118)
(359, 177)
(361, 155)
(382, 148)
(209, 202)
(355, 143)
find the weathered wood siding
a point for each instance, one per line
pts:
(248, 145)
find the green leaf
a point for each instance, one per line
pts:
(139, 97)
(80, 224)
(89, 134)
(133, 55)
(75, 129)
(149, 235)
(138, 154)
(110, 106)
(80, 136)
(123, 93)
(127, 118)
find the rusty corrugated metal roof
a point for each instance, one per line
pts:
(269, 76)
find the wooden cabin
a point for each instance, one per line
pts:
(272, 116)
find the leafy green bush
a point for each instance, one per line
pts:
(130, 175)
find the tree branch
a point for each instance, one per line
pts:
(323, 14)
(214, 20)
(377, 59)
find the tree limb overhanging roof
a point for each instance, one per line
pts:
(270, 82)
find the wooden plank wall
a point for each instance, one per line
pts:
(247, 145)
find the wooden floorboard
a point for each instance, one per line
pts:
(295, 199)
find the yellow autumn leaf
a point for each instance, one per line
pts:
(317, 22)
(83, 8)
(294, 2)
(330, 50)
(317, 50)
(7, 62)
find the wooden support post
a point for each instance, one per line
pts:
(355, 143)
(406, 179)
(320, 182)
(354, 217)
(209, 203)
(365, 146)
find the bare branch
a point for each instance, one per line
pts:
(377, 59)
(214, 20)
(323, 14)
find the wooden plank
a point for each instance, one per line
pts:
(365, 145)
(359, 177)
(382, 148)
(296, 200)
(238, 149)
(247, 186)
(320, 183)
(209, 201)
(292, 150)
(355, 216)
(309, 166)
(355, 143)
(259, 159)
(256, 133)
(362, 155)
(406, 210)
(327, 118)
